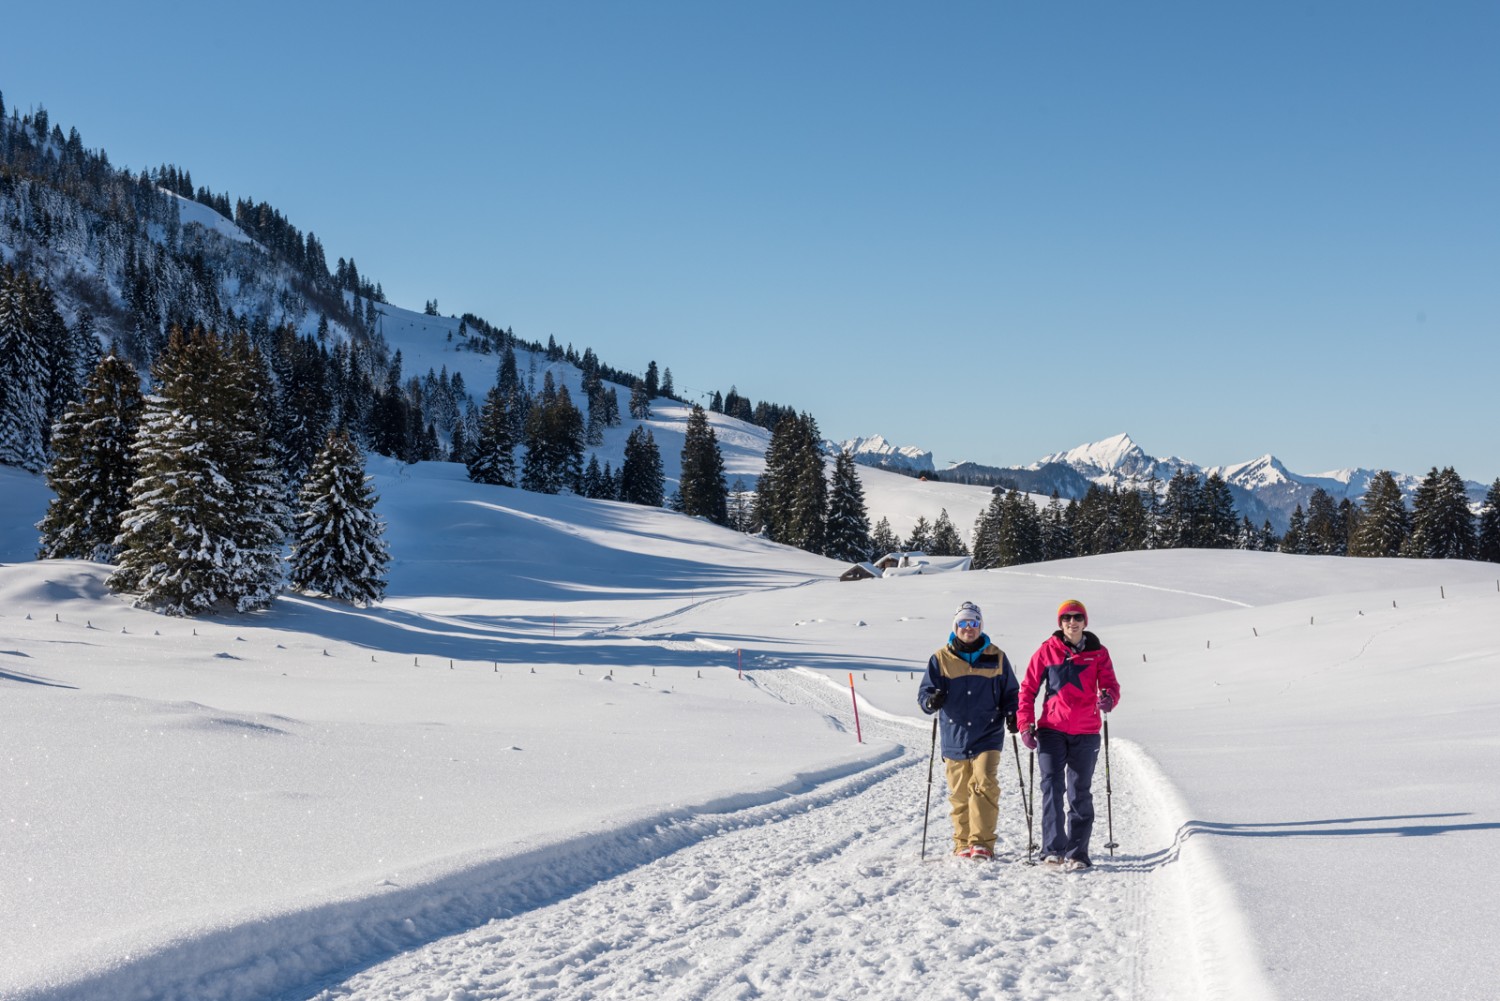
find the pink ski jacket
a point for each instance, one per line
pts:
(1071, 681)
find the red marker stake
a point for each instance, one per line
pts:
(858, 736)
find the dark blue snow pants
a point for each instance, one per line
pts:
(1067, 763)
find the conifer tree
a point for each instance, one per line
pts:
(1057, 531)
(882, 539)
(1442, 524)
(1488, 540)
(207, 514)
(641, 479)
(1181, 511)
(920, 540)
(1020, 530)
(492, 458)
(848, 523)
(1324, 536)
(340, 550)
(93, 467)
(945, 538)
(1295, 539)
(1219, 522)
(741, 507)
(806, 524)
(702, 491)
(987, 525)
(1385, 523)
(23, 373)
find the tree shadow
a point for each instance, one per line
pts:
(1338, 827)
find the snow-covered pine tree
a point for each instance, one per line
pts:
(1020, 530)
(340, 550)
(1324, 535)
(1057, 530)
(702, 491)
(641, 480)
(986, 554)
(492, 459)
(883, 538)
(1181, 511)
(1489, 526)
(93, 466)
(848, 522)
(945, 538)
(1442, 524)
(1384, 523)
(807, 504)
(1295, 539)
(23, 373)
(1219, 522)
(920, 540)
(207, 516)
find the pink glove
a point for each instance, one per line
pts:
(1106, 701)
(1028, 737)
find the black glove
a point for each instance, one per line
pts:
(935, 701)
(1010, 722)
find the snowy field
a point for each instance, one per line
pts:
(589, 750)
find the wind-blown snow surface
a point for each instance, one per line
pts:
(319, 801)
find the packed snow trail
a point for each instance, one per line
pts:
(823, 895)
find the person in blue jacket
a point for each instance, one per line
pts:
(971, 685)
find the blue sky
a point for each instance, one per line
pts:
(993, 230)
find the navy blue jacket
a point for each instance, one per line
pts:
(981, 690)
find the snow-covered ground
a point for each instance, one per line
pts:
(591, 750)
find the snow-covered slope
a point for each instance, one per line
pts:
(543, 742)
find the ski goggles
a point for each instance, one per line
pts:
(966, 624)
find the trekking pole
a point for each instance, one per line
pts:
(1025, 799)
(1109, 808)
(1030, 838)
(927, 808)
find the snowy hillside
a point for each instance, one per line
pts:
(593, 749)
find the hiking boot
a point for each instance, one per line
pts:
(980, 853)
(1053, 861)
(1077, 865)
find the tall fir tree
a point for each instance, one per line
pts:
(702, 491)
(986, 555)
(492, 457)
(641, 478)
(1323, 528)
(1219, 522)
(1384, 523)
(1020, 530)
(945, 538)
(1442, 525)
(340, 549)
(24, 365)
(1181, 511)
(920, 540)
(207, 514)
(883, 540)
(1295, 539)
(1488, 536)
(93, 466)
(848, 522)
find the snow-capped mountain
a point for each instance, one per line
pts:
(878, 452)
(1263, 489)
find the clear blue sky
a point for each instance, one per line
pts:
(994, 230)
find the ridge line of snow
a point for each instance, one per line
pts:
(1211, 923)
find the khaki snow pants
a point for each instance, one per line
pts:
(974, 796)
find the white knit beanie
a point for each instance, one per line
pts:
(968, 610)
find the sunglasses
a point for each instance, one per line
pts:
(966, 624)
(1070, 617)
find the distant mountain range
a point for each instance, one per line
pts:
(1264, 489)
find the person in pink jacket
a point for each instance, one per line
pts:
(1079, 681)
